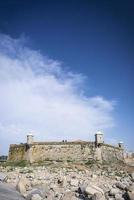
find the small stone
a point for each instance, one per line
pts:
(69, 196)
(97, 196)
(81, 189)
(132, 175)
(74, 182)
(114, 191)
(94, 176)
(120, 185)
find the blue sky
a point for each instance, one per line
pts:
(91, 41)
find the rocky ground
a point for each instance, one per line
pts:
(68, 181)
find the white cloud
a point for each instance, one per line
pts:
(38, 95)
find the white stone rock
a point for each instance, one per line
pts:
(74, 182)
(118, 197)
(120, 185)
(92, 189)
(114, 191)
(36, 197)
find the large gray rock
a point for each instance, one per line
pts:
(120, 185)
(114, 191)
(23, 185)
(118, 197)
(81, 189)
(130, 195)
(2, 176)
(34, 192)
(9, 193)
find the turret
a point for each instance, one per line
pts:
(99, 138)
(121, 144)
(30, 139)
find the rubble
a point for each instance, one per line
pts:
(72, 182)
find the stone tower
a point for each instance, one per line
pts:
(30, 139)
(121, 144)
(99, 139)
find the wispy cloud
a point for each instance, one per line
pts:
(38, 95)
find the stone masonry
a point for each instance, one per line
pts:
(77, 151)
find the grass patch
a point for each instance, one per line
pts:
(70, 161)
(22, 163)
(90, 162)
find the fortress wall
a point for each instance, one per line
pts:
(111, 154)
(71, 152)
(17, 152)
(78, 151)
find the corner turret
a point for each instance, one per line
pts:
(30, 139)
(99, 139)
(121, 144)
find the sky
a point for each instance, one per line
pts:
(66, 70)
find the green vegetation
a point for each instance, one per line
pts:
(90, 162)
(22, 163)
(70, 161)
(112, 161)
(43, 162)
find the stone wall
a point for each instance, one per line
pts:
(111, 154)
(59, 151)
(17, 152)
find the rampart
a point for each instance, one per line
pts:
(65, 151)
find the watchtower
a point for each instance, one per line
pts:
(121, 144)
(30, 139)
(99, 139)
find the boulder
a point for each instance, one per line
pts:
(69, 196)
(9, 193)
(130, 195)
(81, 189)
(74, 182)
(2, 176)
(36, 197)
(97, 196)
(118, 197)
(132, 175)
(34, 192)
(23, 185)
(120, 185)
(114, 191)
(92, 189)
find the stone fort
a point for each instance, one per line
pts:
(77, 151)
